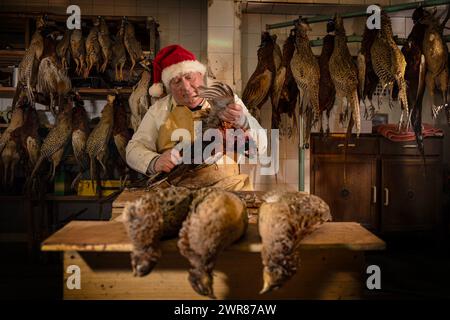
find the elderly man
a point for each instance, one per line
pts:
(151, 150)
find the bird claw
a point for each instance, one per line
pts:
(436, 109)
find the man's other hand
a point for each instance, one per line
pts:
(168, 160)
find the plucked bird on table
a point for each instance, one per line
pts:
(176, 118)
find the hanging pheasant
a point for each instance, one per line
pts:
(436, 57)
(306, 71)
(287, 101)
(344, 74)
(256, 91)
(327, 92)
(389, 64)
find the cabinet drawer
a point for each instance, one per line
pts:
(335, 145)
(433, 147)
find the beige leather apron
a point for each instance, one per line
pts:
(225, 176)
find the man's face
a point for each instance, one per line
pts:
(184, 89)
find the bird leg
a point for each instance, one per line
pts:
(121, 71)
(340, 104)
(133, 62)
(390, 90)
(12, 170)
(429, 81)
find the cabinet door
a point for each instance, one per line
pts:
(354, 200)
(410, 195)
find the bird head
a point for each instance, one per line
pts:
(144, 262)
(272, 280)
(201, 282)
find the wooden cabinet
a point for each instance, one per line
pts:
(410, 194)
(353, 199)
(382, 185)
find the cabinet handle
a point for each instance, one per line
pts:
(374, 194)
(351, 145)
(410, 146)
(386, 198)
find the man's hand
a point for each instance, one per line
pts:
(234, 114)
(168, 160)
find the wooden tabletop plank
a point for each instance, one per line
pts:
(112, 236)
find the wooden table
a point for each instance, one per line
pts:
(332, 265)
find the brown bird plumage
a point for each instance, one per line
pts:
(327, 92)
(368, 79)
(9, 147)
(436, 57)
(139, 100)
(93, 51)
(306, 71)
(78, 50)
(54, 143)
(345, 74)
(97, 143)
(216, 219)
(28, 66)
(389, 64)
(119, 54)
(121, 135)
(132, 45)
(63, 49)
(104, 41)
(256, 91)
(155, 216)
(27, 137)
(80, 134)
(52, 77)
(287, 102)
(285, 218)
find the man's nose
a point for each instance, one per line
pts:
(186, 85)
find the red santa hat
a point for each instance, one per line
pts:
(170, 62)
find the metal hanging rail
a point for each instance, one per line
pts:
(356, 38)
(393, 8)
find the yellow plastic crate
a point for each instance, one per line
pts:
(86, 188)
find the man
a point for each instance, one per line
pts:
(151, 150)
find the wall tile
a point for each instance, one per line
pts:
(221, 14)
(190, 39)
(221, 65)
(220, 39)
(251, 23)
(190, 20)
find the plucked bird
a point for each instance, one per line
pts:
(284, 219)
(153, 217)
(216, 219)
